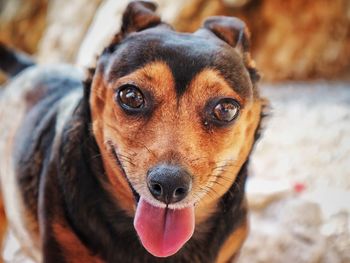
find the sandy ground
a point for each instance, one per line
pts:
(299, 188)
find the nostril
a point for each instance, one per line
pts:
(179, 192)
(169, 183)
(156, 189)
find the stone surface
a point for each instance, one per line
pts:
(262, 192)
(306, 143)
(303, 39)
(67, 24)
(235, 3)
(291, 39)
(107, 22)
(22, 23)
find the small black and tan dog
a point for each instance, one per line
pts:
(145, 162)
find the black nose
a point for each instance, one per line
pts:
(169, 183)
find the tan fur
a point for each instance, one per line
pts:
(3, 226)
(159, 139)
(176, 127)
(74, 250)
(232, 244)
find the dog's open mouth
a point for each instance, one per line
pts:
(163, 231)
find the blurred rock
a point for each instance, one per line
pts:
(332, 203)
(261, 192)
(306, 139)
(287, 231)
(105, 25)
(107, 22)
(22, 23)
(290, 39)
(67, 24)
(235, 3)
(306, 143)
(291, 230)
(303, 39)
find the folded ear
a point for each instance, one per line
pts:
(138, 15)
(234, 32)
(231, 30)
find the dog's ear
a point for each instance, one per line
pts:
(138, 15)
(231, 30)
(234, 32)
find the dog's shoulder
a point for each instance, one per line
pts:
(36, 82)
(37, 102)
(34, 106)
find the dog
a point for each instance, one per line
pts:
(143, 161)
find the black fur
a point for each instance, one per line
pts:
(36, 134)
(60, 172)
(114, 239)
(139, 49)
(13, 62)
(68, 183)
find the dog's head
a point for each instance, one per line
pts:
(174, 115)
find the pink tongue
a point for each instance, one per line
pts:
(163, 231)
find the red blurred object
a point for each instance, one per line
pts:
(299, 187)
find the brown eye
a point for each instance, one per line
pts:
(131, 98)
(226, 110)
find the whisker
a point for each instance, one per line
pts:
(226, 161)
(124, 156)
(196, 159)
(216, 182)
(95, 156)
(207, 192)
(196, 196)
(150, 151)
(210, 190)
(127, 161)
(226, 179)
(224, 166)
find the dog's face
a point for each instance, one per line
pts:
(174, 116)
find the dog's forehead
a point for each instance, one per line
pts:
(185, 54)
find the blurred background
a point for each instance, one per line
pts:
(299, 187)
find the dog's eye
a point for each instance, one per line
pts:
(131, 97)
(226, 110)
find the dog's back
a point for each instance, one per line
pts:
(33, 107)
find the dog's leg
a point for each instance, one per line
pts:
(3, 227)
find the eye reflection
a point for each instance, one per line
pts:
(226, 110)
(131, 97)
